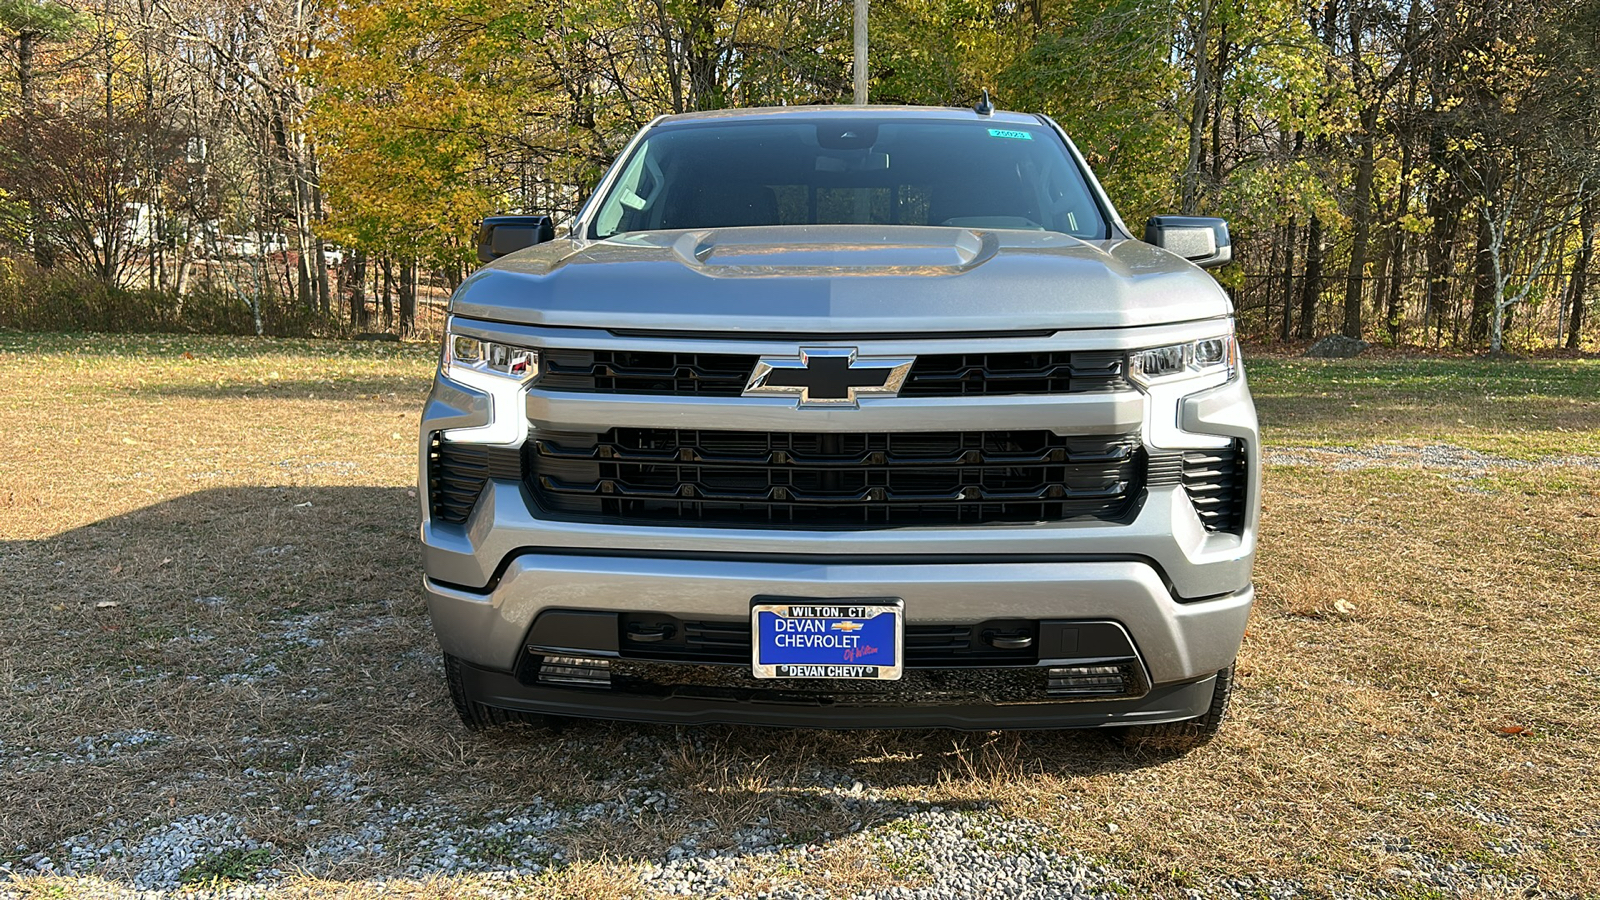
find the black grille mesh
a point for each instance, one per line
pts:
(964, 374)
(828, 479)
(934, 375)
(727, 642)
(630, 372)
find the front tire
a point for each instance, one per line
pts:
(478, 716)
(1178, 737)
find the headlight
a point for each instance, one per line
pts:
(500, 371)
(1207, 356)
(463, 354)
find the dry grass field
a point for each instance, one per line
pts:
(216, 673)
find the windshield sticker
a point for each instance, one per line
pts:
(1014, 135)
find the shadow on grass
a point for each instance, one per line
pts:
(256, 665)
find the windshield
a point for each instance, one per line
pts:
(850, 171)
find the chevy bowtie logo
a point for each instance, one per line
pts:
(829, 376)
(847, 626)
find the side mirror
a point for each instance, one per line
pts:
(1202, 240)
(499, 235)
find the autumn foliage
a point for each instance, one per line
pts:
(1408, 171)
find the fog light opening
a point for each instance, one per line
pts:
(575, 671)
(1096, 680)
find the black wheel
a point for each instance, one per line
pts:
(1177, 737)
(474, 715)
(479, 716)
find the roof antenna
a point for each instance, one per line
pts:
(984, 107)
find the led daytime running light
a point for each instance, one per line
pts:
(469, 354)
(1190, 359)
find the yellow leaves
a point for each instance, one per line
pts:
(1412, 223)
(419, 96)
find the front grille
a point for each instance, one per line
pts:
(664, 638)
(631, 372)
(834, 480)
(965, 374)
(457, 474)
(935, 375)
(1216, 482)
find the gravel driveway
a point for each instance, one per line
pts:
(937, 852)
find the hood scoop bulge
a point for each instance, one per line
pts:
(835, 250)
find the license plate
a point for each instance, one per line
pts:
(795, 638)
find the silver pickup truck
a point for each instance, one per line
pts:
(843, 417)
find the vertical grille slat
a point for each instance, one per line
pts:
(834, 479)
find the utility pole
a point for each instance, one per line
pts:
(861, 52)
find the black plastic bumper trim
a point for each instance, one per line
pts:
(1166, 703)
(582, 632)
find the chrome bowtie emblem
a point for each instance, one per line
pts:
(829, 376)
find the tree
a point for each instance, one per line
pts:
(1074, 71)
(27, 25)
(1534, 255)
(254, 50)
(1371, 84)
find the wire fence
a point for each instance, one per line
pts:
(1539, 321)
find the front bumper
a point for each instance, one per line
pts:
(1177, 641)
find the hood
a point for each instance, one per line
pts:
(845, 279)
